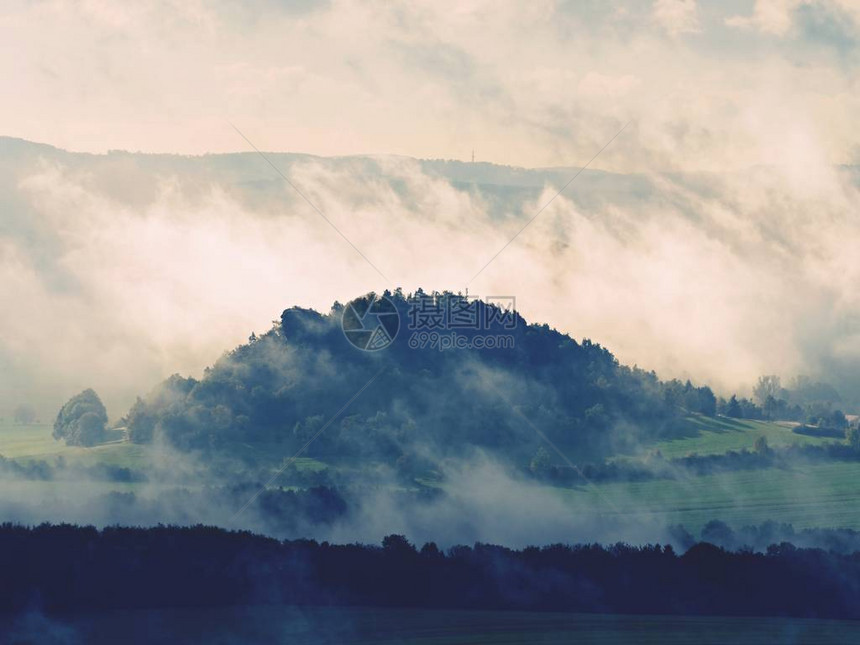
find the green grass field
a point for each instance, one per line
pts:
(354, 626)
(820, 495)
(34, 442)
(705, 436)
(717, 435)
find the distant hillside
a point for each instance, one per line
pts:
(406, 402)
(504, 189)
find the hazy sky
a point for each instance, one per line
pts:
(721, 270)
(708, 85)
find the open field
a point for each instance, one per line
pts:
(704, 436)
(716, 435)
(819, 495)
(353, 626)
(34, 442)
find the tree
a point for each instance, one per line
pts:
(818, 413)
(81, 421)
(734, 408)
(837, 420)
(699, 399)
(718, 532)
(805, 390)
(91, 429)
(24, 415)
(707, 401)
(749, 410)
(140, 422)
(768, 385)
(852, 434)
(397, 544)
(771, 407)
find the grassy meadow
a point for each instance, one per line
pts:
(34, 442)
(817, 495)
(29, 443)
(717, 435)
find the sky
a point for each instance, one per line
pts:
(720, 247)
(705, 85)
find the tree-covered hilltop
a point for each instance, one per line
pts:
(415, 402)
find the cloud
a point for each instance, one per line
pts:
(769, 16)
(677, 16)
(124, 269)
(716, 249)
(425, 79)
(485, 501)
(830, 22)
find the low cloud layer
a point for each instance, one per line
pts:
(121, 269)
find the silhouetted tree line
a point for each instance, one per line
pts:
(760, 537)
(279, 512)
(282, 386)
(659, 468)
(69, 568)
(810, 402)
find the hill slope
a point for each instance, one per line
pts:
(286, 388)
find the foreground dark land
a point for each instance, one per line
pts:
(59, 569)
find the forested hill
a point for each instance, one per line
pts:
(413, 397)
